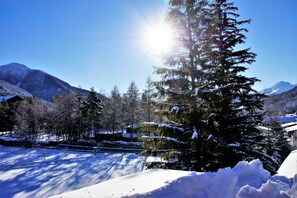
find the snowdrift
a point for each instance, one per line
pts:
(289, 166)
(246, 179)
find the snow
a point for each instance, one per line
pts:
(210, 137)
(246, 179)
(110, 132)
(145, 182)
(45, 172)
(8, 139)
(160, 125)
(282, 119)
(291, 128)
(175, 109)
(289, 166)
(130, 135)
(278, 88)
(236, 144)
(196, 91)
(289, 124)
(195, 134)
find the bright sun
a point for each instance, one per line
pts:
(159, 39)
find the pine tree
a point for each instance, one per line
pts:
(179, 104)
(115, 109)
(235, 105)
(132, 104)
(79, 98)
(91, 112)
(275, 146)
(203, 88)
(147, 108)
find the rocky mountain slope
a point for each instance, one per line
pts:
(283, 103)
(36, 82)
(7, 89)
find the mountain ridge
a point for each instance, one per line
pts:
(36, 82)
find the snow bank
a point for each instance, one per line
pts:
(289, 166)
(246, 179)
(10, 139)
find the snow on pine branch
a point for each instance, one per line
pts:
(168, 139)
(163, 125)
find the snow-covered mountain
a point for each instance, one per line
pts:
(278, 88)
(7, 89)
(36, 82)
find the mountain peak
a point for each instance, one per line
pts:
(16, 68)
(278, 88)
(15, 65)
(283, 83)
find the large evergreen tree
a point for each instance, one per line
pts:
(183, 74)
(203, 88)
(235, 105)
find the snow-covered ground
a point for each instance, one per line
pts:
(245, 180)
(63, 174)
(44, 172)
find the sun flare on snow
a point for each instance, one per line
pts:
(159, 39)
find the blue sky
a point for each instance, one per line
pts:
(96, 43)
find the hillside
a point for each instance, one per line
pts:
(283, 103)
(11, 90)
(36, 82)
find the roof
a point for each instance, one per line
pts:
(3, 98)
(291, 128)
(289, 124)
(6, 98)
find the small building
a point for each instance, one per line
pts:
(10, 99)
(131, 131)
(108, 135)
(291, 129)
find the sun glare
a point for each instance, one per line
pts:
(159, 39)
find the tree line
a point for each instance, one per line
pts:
(76, 116)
